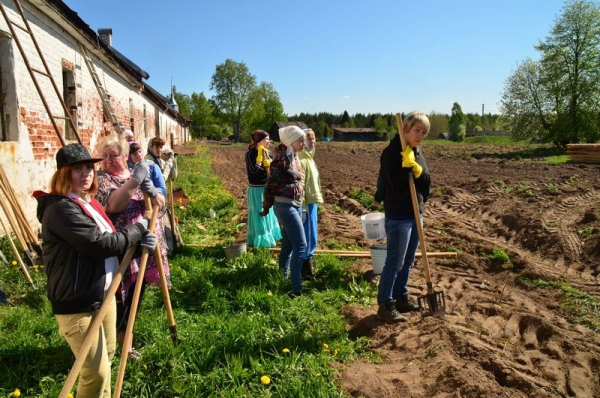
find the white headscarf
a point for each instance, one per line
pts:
(288, 135)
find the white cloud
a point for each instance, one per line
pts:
(345, 97)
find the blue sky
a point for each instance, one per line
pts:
(362, 56)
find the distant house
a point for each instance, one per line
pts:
(491, 133)
(357, 134)
(274, 130)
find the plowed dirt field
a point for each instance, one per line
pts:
(498, 338)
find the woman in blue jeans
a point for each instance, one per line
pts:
(400, 227)
(284, 192)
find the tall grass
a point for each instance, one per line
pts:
(234, 318)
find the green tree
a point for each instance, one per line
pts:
(234, 86)
(561, 92)
(526, 104)
(381, 125)
(439, 124)
(266, 107)
(201, 112)
(456, 124)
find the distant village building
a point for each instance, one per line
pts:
(274, 130)
(490, 133)
(357, 134)
(103, 93)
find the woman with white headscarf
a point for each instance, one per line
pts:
(284, 192)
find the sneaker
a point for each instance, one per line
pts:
(405, 304)
(134, 355)
(294, 295)
(387, 312)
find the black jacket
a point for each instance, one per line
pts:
(257, 173)
(74, 251)
(396, 196)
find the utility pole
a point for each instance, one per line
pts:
(482, 108)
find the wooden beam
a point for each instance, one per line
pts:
(367, 254)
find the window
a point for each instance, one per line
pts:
(9, 128)
(70, 99)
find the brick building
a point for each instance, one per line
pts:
(28, 138)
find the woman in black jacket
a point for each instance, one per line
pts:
(262, 231)
(400, 226)
(80, 248)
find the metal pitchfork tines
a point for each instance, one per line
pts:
(433, 303)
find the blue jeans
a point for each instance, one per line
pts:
(293, 242)
(402, 243)
(310, 229)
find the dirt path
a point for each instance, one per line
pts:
(497, 339)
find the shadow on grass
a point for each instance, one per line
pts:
(43, 363)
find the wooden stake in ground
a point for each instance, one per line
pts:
(174, 227)
(164, 286)
(367, 254)
(16, 253)
(96, 323)
(18, 210)
(133, 310)
(16, 230)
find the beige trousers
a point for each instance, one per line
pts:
(94, 379)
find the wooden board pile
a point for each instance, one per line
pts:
(583, 153)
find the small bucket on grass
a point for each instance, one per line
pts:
(373, 225)
(234, 251)
(378, 254)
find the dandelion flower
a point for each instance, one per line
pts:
(145, 367)
(325, 346)
(265, 380)
(14, 262)
(17, 392)
(286, 351)
(335, 352)
(351, 297)
(269, 293)
(70, 395)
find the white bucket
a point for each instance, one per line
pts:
(378, 254)
(373, 225)
(234, 251)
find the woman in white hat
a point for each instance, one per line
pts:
(284, 192)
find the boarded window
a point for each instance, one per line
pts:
(70, 99)
(9, 130)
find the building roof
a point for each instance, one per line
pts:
(70, 21)
(361, 130)
(302, 125)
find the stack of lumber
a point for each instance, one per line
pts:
(583, 153)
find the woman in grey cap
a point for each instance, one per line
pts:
(80, 248)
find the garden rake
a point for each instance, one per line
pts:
(433, 303)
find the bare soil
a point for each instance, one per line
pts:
(498, 338)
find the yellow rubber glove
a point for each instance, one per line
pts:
(409, 161)
(259, 156)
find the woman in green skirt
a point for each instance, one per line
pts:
(262, 231)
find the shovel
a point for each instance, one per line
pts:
(433, 303)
